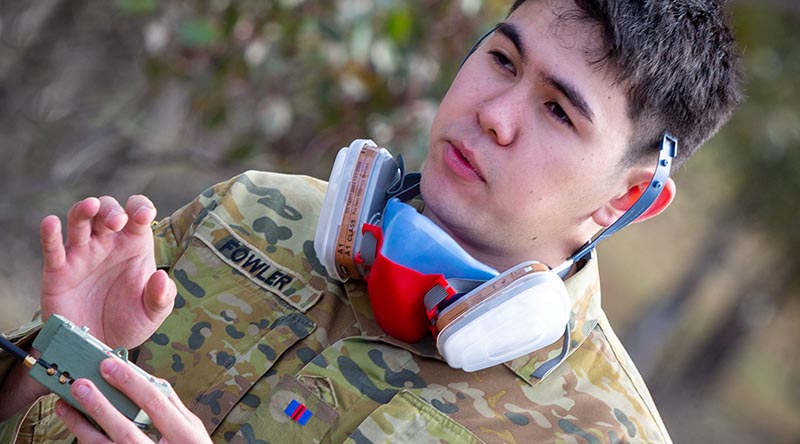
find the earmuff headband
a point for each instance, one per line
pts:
(667, 152)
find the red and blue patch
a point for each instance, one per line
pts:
(298, 412)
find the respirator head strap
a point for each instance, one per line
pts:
(406, 187)
(667, 152)
(544, 369)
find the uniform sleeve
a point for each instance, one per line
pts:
(22, 336)
(37, 424)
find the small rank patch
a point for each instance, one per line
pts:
(298, 412)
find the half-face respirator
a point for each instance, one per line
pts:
(419, 280)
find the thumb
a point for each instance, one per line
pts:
(159, 296)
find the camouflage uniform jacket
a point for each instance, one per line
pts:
(258, 325)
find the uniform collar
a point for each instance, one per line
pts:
(583, 288)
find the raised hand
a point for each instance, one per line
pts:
(104, 276)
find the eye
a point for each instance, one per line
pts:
(502, 61)
(559, 113)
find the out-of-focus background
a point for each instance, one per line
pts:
(166, 97)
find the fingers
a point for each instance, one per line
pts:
(141, 212)
(52, 243)
(168, 414)
(79, 221)
(136, 386)
(110, 218)
(100, 216)
(119, 429)
(159, 296)
(84, 431)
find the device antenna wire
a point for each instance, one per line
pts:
(20, 354)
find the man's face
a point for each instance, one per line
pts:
(526, 146)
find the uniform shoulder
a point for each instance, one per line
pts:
(295, 199)
(261, 182)
(630, 381)
(263, 224)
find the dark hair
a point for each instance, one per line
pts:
(678, 61)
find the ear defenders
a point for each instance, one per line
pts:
(420, 280)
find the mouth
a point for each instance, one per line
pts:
(463, 161)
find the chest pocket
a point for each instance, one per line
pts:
(375, 389)
(408, 419)
(233, 320)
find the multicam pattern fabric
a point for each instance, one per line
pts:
(257, 325)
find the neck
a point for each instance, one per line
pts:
(503, 257)
(499, 257)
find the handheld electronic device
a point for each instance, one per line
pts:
(68, 353)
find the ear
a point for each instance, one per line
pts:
(615, 208)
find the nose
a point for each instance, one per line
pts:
(497, 117)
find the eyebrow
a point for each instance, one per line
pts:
(573, 95)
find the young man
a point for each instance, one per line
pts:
(548, 134)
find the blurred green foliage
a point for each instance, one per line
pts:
(760, 148)
(136, 7)
(306, 76)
